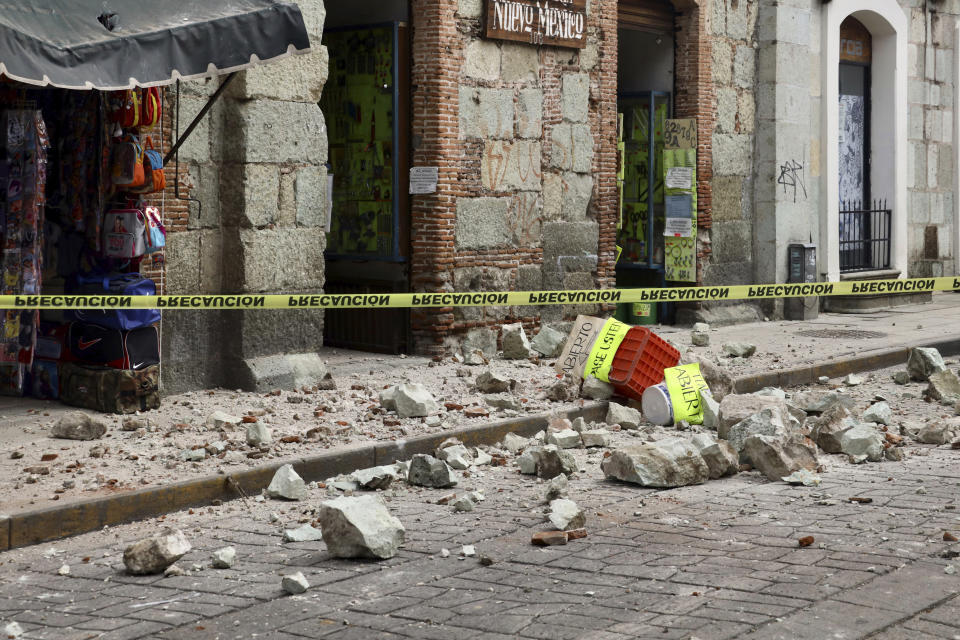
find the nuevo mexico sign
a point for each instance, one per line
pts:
(559, 23)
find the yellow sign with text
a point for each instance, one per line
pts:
(604, 349)
(684, 384)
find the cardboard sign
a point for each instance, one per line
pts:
(573, 358)
(604, 349)
(680, 134)
(684, 384)
(559, 23)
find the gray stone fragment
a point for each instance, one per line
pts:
(923, 362)
(700, 338)
(596, 389)
(829, 427)
(287, 484)
(360, 527)
(481, 458)
(515, 343)
(940, 432)
(156, 553)
(862, 440)
(721, 458)
(901, 377)
(551, 461)
(671, 462)
(463, 504)
(701, 327)
(943, 384)
(527, 461)
(579, 425)
(305, 533)
(374, 478)
(223, 558)
(556, 487)
(772, 392)
(626, 417)
(735, 408)
(595, 438)
(457, 456)
(221, 420)
(478, 346)
(514, 443)
(765, 422)
(77, 425)
(853, 380)
(193, 455)
(720, 381)
(566, 439)
(820, 401)
(12, 629)
(566, 515)
(388, 398)
(492, 382)
(414, 401)
(427, 471)
(294, 583)
(258, 433)
(503, 401)
(739, 349)
(711, 410)
(777, 457)
(880, 413)
(803, 477)
(548, 342)
(563, 390)
(894, 454)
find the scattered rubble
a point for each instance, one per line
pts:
(766, 422)
(287, 484)
(565, 514)
(224, 558)
(492, 382)
(829, 427)
(853, 380)
(77, 425)
(548, 342)
(803, 477)
(305, 533)
(156, 553)
(556, 488)
(777, 457)
(427, 471)
(924, 362)
(294, 583)
(626, 417)
(360, 527)
(514, 443)
(595, 438)
(672, 462)
(515, 343)
(596, 389)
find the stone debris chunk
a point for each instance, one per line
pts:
(739, 349)
(579, 425)
(565, 514)
(388, 398)
(880, 413)
(700, 338)
(224, 558)
(481, 458)
(735, 408)
(463, 503)
(503, 401)
(721, 458)
(468, 551)
(596, 389)
(803, 477)
(595, 438)
(193, 455)
(156, 553)
(548, 342)
(672, 462)
(516, 346)
(940, 432)
(829, 427)
(514, 443)
(853, 380)
(767, 422)
(720, 381)
(77, 425)
(427, 471)
(566, 439)
(258, 434)
(304, 533)
(551, 461)
(457, 456)
(222, 421)
(626, 417)
(527, 461)
(923, 362)
(412, 400)
(287, 484)
(901, 377)
(492, 382)
(817, 402)
(549, 538)
(294, 583)
(375, 477)
(360, 527)
(777, 457)
(862, 440)
(943, 385)
(556, 488)
(711, 410)
(12, 630)
(562, 390)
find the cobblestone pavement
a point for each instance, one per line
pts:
(720, 560)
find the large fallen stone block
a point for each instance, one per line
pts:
(777, 457)
(360, 527)
(943, 384)
(735, 408)
(565, 439)
(596, 389)
(515, 343)
(672, 462)
(626, 417)
(940, 432)
(880, 413)
(819, 401)
(829, 429)
(414, 401)
(457, 456)
(551, 461)
(77, 425)
(739, 349)
(862, 440)
(923, 362)
(156, 553)
(258, 434)
(721, 458)
(595, 438)
(287, 484)
(767, 422)
(720, 381)
(375, 478)
(492, 382)
(566, 515)
(548, 342)
(514, 443)
(388, 398)
(427, 471)
(711, 410)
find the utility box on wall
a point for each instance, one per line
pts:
(801, 268)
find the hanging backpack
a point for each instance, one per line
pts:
(154, 179)
(155, 235)
(124, 233)
(126, 108)
(150, 107)
(127, 165)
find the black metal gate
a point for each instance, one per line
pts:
(864, 236)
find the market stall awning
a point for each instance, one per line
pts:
(120, 44)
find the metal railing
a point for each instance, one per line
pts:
(864, 236)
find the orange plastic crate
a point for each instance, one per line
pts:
(640, 361)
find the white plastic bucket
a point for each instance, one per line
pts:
(656, 404)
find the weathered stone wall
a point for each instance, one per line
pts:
(931, 137)
(256, 168)
(525, 140)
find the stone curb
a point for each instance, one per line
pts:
(54, 523)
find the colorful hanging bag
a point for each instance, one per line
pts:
(127, 170)
(155, 234)
(151, 107)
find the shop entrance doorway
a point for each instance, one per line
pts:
(366, 107)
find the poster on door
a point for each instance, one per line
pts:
(680, 230)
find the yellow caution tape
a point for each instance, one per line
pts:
(480, 299)
(684, 384)
(604, 349)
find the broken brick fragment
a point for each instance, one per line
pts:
(549, 538)
(805, 541)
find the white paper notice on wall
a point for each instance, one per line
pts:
(678, 227)
(423, 180)
(679, 178)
